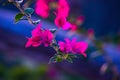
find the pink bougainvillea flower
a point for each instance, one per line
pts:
(74, 27)
(36, 38)
(40, 36)
(80, 20)
(63, 8)
(34, 41)
(90, 31)
(78, 47)
(74, 47)
(60, 20)
(67, 26)
(42, 8)
(64, 47)
(82, 47)
(37, 31)
(61, 15)
(47, 37)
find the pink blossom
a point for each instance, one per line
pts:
(34, 41)
(63, 8)
(64, 47)
(60, 20)
(74, 27)
(67, 26)
(36, 38)
(47, 37)
(37, 31)
(73, 46)
(78, 47)
(42, 8)
(39, 36)
(80, 20)
(82, 47)
(61, 15)
(90, 31)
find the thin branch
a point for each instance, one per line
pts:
(22, 11)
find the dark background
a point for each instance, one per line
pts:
(20, 63)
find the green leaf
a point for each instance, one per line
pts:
(53, 30)
(60, 53)
(28, 10)
(18, 17)
(19, 1)
(65, 56)
(36, 22)
(52, 59)
(72, 56)
(69, 59)
(59, 58)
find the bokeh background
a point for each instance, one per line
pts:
(101, 29)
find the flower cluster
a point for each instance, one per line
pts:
(73, 47)
(43, 9)
(61, 12)
(64, 50)
(40, 36)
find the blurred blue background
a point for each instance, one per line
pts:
(102, 63)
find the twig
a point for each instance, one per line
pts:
(22, 11)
